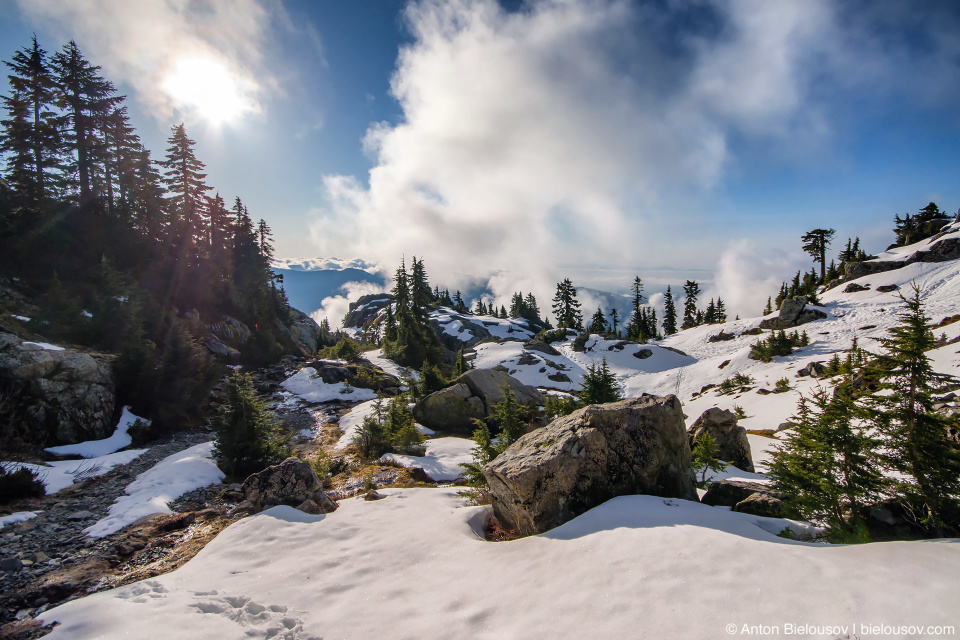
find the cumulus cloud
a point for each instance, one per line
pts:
(747, 275)
(333, 308)
(553, 135)
(171, 52)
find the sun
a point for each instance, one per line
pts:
(208, 87)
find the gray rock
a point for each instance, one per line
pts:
(305, 331)
(471, 396)
(542, 347)
(231, 330)
(730, 493)
(887, 288)
(365, 309)
(643, 354)
(579, 461)
(813, 369)
(853, 287)
(721, 337)
(217, 348)
(761, 504)
(11, 564)
(290, 483)
(62, 397)
(730, 438)
(793, 313)
(79, 515)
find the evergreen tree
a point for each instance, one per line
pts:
(32, 133)
(88, 98)
(705, 458)
(691, 290)
(600, 385)
(184, 178)
(914, 433)
(458, 304)
(767, 310)
(532, 308)
(710, 315)
(721, 311)
(669, 313)
(460, 364)
(828, 464)
(419, 290)
(598, 324)
(613, 321)
(247, 434)
(816, 243)
(566, 307)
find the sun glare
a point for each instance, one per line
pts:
(208, 87)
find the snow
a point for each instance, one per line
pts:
(377, 359)
(86, 314)
(902, 253)
(157, 487)
(20, 318)
(17, 516)
(414, 565)
(58, 475)
(306, 384)
(44, 345)
(96, 448)
(351, 421)
(442, 460)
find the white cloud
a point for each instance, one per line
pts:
(169, 50)
(747, 275)
(552, 135)
(334, 308)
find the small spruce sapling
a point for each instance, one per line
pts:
(705, 458)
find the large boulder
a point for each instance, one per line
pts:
(730, 438)
(301, 332)
(793, 313)
(293, 483)
(579, 461)
(742, 495)
(54, 396)
(366, 309)
(472, 395)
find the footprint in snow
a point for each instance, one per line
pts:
(266, 621)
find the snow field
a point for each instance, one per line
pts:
(442, 460)
(414, 566)
(306, 384)
(60, 474)
(96, 448)
(157, 487)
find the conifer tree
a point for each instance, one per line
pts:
(247, 434)
(598, 324)
(669, 313)
(458, 304)
(184, 178)
(600, 385)
(32, 131)
(720, 313)
(767, 310)
(566, 307)
(914, 433)
(613, 321)
(710, 315)
(828, 465)
(816, 243)
(88, 98)
(532, 308)
(705, 458)
(503, 312)
(691, 290)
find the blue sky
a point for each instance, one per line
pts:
(522, 142)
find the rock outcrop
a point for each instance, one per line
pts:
(366, 309)
(579, 461)
(293, 483)
(332, 372)
(745, 497)
(472, 395)
(55, 396)
(793, 313)
(730, 438)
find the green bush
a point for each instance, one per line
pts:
(390, 428)
(599, 385)
(778, 343)
(782, 385)
(554, 335)
(559, 406)
(22, 483)
(247, 434)
(705, 458)
(734, 383)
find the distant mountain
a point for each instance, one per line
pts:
(309, 280)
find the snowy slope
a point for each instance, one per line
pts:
(414, 566)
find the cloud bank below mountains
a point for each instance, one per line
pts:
(566, 132)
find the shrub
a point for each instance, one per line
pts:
(599, 385)
(739, 411)
(22, 483)
(705, 458)
(782, 385)
(732, 384)
(247, 434)
(364, 379)
(431, 379)
(555, 335)
(779, 343)
(389, 429)
(559, 406)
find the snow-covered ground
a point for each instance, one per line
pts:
(58, 475)
(414, 566)
(44, 345)
(156, 488)
(96, 448)
(16, 516)
(350, 422)
(377, 358)
(309, 386)
(442, 460)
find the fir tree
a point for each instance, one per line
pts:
(705, 458)
(247, 434)
(184, 178)
(816, 243)
(767, 310)
(613, 321)
(827, 466)
(600, 385)
(566, 307)
(720, 314)
(691, 290)
(913, 432)
(669, 313)
(458, 304)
